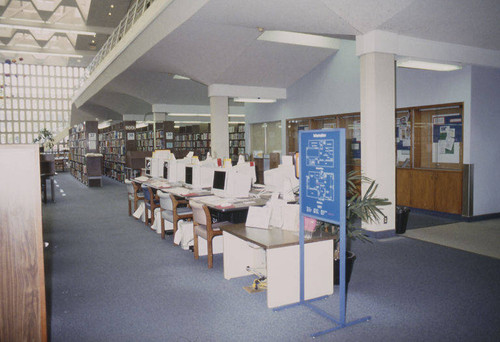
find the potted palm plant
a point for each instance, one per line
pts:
(359, 208)
(45, 138)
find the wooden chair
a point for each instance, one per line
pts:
(151, 202)
(173, 210)
(202, 226)
(134, 195)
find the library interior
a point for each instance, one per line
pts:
(212, 170)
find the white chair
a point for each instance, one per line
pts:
(133, 196)
(202, 226)
(172, 211)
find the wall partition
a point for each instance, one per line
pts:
(265, 138)
(429, 152)
(350, 121)
(429, 157)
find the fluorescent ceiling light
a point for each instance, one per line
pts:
(253, 100)
(179, 77)
(41, 53)
(427, 65)
(303, 39)
(236, 122)
(187, 114)
(204, 115)
(189, 122)
(51, 29)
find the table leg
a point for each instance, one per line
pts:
(52, 190)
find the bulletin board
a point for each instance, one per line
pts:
(403, 139)
(446, 138)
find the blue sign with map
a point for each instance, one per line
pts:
(322, 174)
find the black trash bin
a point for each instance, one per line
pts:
(402, 214)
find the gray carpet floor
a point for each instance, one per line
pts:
(109, 278)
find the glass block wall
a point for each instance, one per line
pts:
(33, 97)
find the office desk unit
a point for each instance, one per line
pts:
(235, 212)
(277, 251)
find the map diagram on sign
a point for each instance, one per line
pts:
(319, 153)
(320, 185)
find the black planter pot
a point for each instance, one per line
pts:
(351, 257)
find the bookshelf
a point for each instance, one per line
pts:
(84, 139)
(194, 138)
(236, 141)
(164, 136)
(114, 142)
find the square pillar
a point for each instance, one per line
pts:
(378, 137)
(219, 126)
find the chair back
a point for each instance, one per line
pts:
(137, 187)
(165, 201)
(147, 195)
(130, 187)
(199, 212)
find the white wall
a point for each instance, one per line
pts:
(421, 88)
(485, 142)
(331, 88)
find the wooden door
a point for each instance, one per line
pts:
(422, 189)
(448, 197)
(403, 187)
(22, 281)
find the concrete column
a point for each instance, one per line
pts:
(219, 126)
(378, 104)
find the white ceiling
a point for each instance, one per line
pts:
(218, 44)
(31, 16)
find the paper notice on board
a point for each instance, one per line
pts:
(92, 145)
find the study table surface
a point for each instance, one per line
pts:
(272, 237)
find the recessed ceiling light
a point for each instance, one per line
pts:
(93, 41)
(303, 39)
(254, 100)
(179, 77)
(109, 13)
(112, 6)
(412, 63)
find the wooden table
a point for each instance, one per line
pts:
(275, 252)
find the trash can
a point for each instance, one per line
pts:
(401, 219)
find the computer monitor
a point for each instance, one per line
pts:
(147, 166)
(175, 170)
(281, 179)
(238, 183)
(199, 176)
(165, 170)
(219, 183)
(249, 168)
(189, 175)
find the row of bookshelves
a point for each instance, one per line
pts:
(83, 139)
(236, 136)
(237, 143)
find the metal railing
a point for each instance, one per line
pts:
(133, 14)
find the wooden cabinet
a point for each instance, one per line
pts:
(436, 190)
(22, 284)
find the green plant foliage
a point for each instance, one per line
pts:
(365, 208)
(45, 137)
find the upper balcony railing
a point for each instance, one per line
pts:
(133, 14)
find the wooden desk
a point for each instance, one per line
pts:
(235, 213)
(277, 253)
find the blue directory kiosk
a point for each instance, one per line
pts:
(323, 197)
